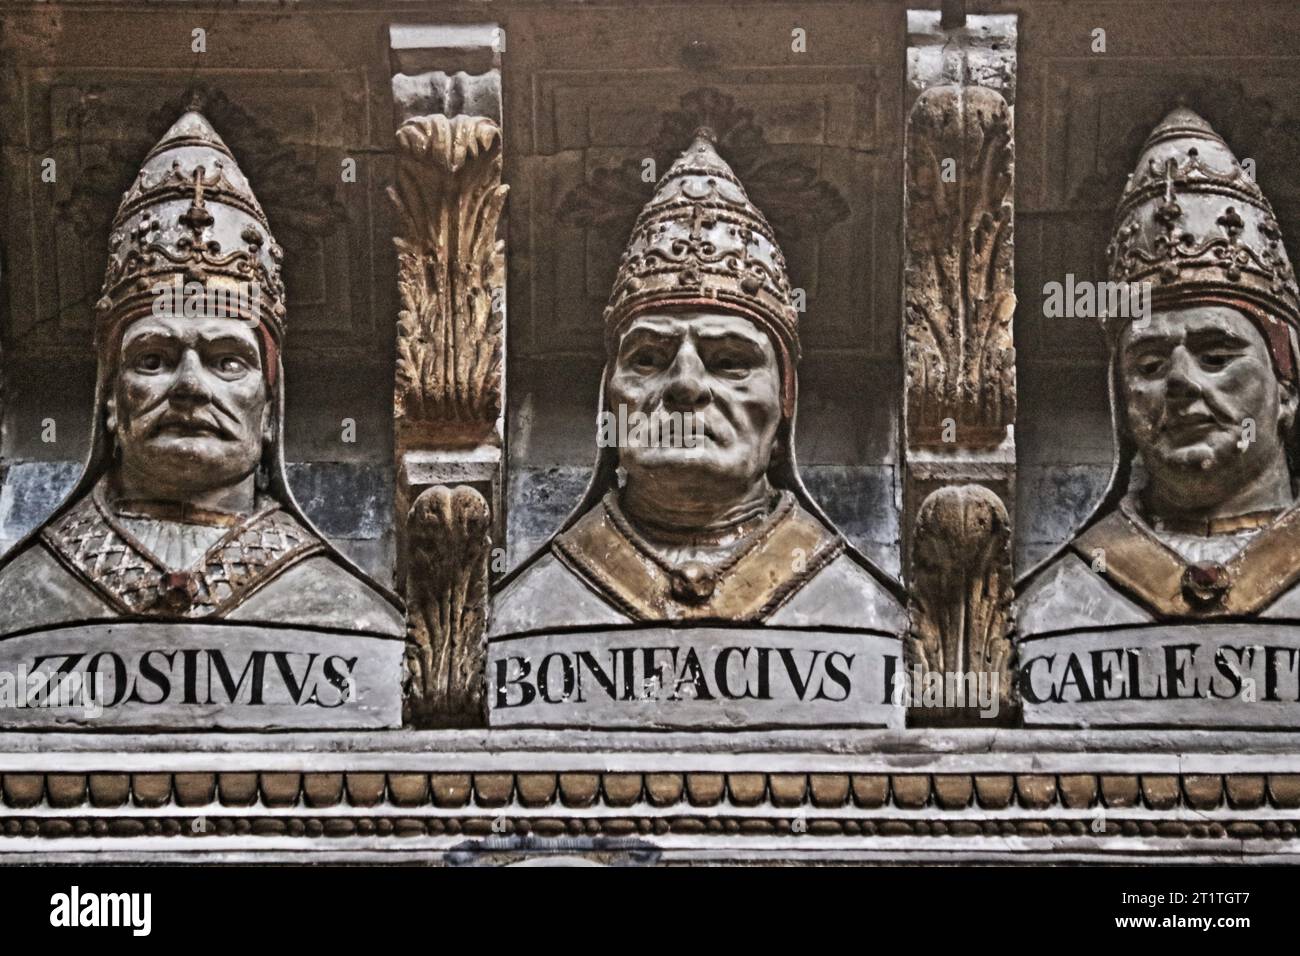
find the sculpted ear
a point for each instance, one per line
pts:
(1287, 410)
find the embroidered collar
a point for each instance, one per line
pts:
(91, 543)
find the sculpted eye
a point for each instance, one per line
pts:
(1149, 365)
(232, 365)
(730, 363)
(646, 360)
(1216, 360)
(149, 362)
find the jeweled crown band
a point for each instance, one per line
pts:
(190, 216)
(1194, 225)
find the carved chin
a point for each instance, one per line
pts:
(194, 456)
(1194, 457)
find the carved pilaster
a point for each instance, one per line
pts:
(450, 266)
(959, 357)
(958, 281)
(449, 382)
(447, 583)
(960, 600)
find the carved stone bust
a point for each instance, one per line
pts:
(1204, 401)
(183, 515)
(1200, 524)
(696, 513)
(710, 520)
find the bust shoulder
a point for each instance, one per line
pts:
(1067, 593)
(320, 592)
(37, 591)
(547, 594)
(843, 594)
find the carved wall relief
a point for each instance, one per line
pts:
(449, 389)
(960, 391)
(451, 276)
(699, 592)
(448, 530)
(796, 201)
(960, 606)
(100, 128)
(959, 292)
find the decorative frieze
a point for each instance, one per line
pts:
(471, 796)
(284, 796)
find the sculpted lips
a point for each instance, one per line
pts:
(695, 424)
(184, 426)
(1191, 422)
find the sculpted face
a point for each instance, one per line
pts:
(190, 405)
(720, 368)
(1192, 379)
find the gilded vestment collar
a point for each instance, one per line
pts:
(1124, 549)
(1208, 527)
(762, 571)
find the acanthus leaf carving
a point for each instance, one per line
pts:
(447, 587)
(959, 298)
(961, 587)
(451, 266)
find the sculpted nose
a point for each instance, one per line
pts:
(189, 386)
(687, 387)
(1184, 377)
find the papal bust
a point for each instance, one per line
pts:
(1200, 521)
(710, 520)
(1177, 602)
(183, 512)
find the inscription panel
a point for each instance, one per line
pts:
(717, 677)
(199, 677)
(1186, 675)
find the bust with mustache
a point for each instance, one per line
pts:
(1200, 521)
(1208, 417)
(698, 513)
(183, 511)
